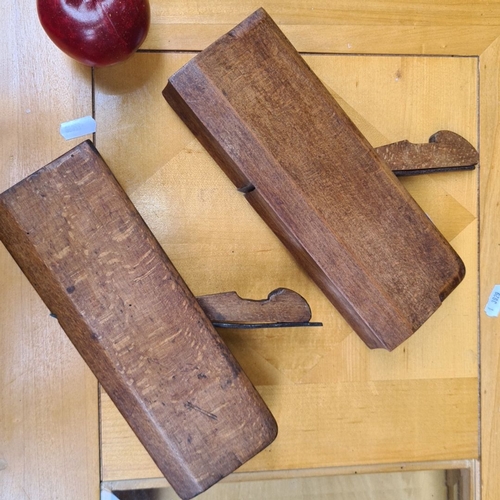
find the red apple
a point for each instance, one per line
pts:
(96, 32)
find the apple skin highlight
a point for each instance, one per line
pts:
(96, 32)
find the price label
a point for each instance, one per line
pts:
(492, 308)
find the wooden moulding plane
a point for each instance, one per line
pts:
(285, 142)
(98, 268)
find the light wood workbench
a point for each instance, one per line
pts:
(340, 407)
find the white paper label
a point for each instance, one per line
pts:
(107, 495)
(78, 127)
(492, 308)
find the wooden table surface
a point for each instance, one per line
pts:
(337, 403)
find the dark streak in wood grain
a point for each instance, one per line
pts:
(191, 406)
